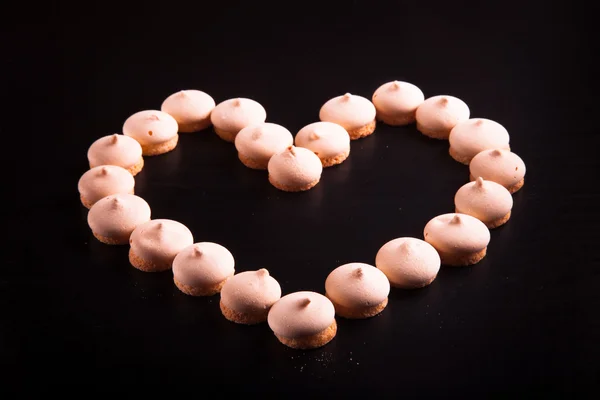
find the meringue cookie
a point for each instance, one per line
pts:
(488, 201)
(119, 150)
(256, 144)
(103, 181)
(155, 244)
(474, 135)
(354, 113)
(329, 141)
(408, 263)
(500, 166)
(303, 320)
(156, 131)
(295, 169)
(459, 239)
(190, 108)
(247, 297)
(397, 102)
(437, 115)
(202, 268)
(357, 290)
(113, 218)
(231, 116)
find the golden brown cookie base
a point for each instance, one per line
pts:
(200, 291)
(362, 131)
(311, 342)
(490, 224)
(441, 135)
(398, 120)
(412, 286)
(286, 188)
(512, 189)
(360, 312)
(461, 260)
(112, 240)
(136, 168)
(459, 157)
(226, 135)
(161, 148)
(194, 126)
(331, 161)
(88, 204)
(252, 163)
(243, 318)
(146, 266)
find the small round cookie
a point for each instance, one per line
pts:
(437, 115)
(247, 297)
(103, 181)
(397, 102)
(500, 166)
(357, 290)
(470, 137)
(295, 169)
(202, 268)
(488, 201)
(408, 263)
(303, 320)
(155, 130)
(459, 239)
(231, 116)
(256, 144)
(119, 150)
(354, 113)
(155, 244)
(113, 218)
(329, 141)
(190, 108)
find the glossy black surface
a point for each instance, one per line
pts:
(523, 321)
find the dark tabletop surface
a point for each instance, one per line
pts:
(523, 321)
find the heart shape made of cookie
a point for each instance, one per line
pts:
(295, 163)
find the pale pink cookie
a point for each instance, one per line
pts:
(156, 131)
(202, 268)
(357, 290)
(231, 116)
(488, 201)
(329, 141)
(256, 144)
(459, 239)
(103, 181)
(303, 320)
(247, 297)
(474, 135)
(500, 166)
(437, 115)
(119, 150)
(295, 169)
(355, 114)
(113, 218)
(397, 102)
(408, 263)
(190, 108)
(156, 243)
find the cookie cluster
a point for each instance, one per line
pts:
(302, 319)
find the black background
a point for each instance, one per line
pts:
(524, 321)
